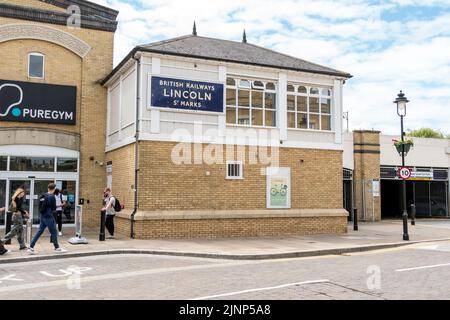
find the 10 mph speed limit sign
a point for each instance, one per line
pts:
(404, 173)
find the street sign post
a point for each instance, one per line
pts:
(404, 173)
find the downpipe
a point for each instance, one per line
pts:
(136, 145)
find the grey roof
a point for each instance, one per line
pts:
(230, 51)
(93, 16)
(233, 51)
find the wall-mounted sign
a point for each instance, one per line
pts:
(278, 187)
(186, 94)
(419, 175)
(375, 188)
(109, 167)
(37, 102)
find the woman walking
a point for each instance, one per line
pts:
(18, 214)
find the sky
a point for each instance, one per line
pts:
(387, 46)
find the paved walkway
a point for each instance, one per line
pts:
(369, 237)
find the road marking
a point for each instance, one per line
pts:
(262, 289)
(424, 267)
(11, 277)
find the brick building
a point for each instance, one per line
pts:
(215, 138)
(52, 107)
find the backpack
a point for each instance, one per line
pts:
(117, 205)
(43, 204)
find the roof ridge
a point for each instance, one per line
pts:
(287, 55)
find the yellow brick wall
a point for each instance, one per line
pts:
(217, 228)
(123, 174)
(92, 100)
(316, 182)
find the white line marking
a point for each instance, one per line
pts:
(262, 289)
(424, 267)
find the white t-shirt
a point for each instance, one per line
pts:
(112, 201)
(59, 202)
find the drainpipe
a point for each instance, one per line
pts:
(136, 143)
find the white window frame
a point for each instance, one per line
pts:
(43, 64)
(308, 95)
(237, 86)
(241, 170)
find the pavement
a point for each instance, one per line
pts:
(370, 236)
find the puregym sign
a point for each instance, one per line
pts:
(37, 102)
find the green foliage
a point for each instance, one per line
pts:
(427, 133)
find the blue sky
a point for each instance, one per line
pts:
(387, 45)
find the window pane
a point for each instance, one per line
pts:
(245, 84)
(36, 66)
(314, 91)
(231, 97)
(3, 165)
(257, 99)
(325, 106)
(271, 120)
(314, 121)
(302, 89)
(290, 88)
(231, 115)
(302, 120)
(270, 86)
(326, 92)
(257, 117)
(230, 82)
(326, 122)
(301, 104)
(243, 116)
(258, 84)
(314, 105)
(244, 98)
(32, 164)
(291, 120)
(290, 102)
(270, 100)
(67, 165)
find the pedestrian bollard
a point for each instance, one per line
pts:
(355, 219)
(413, 214)
(101, 236)
(8, 225)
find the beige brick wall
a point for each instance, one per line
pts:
(217, 228)
(62, 66)
(123, 174)
(316, 182)
(367, 168)
(34, 4)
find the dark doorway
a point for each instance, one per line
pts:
(391, 198)
(348, 197)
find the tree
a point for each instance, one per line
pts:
(426, 133)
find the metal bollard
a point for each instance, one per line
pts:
(101, 236)
(355, 219)
(413, 214)
(8, 225)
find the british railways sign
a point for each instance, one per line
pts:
(37, 102)
(186, 94)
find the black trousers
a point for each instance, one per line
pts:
(109, 224)
(58, 218)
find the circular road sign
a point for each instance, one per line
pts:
(404, 173)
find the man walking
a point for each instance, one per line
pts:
(110, 202)
(46, 207)
(3, 250)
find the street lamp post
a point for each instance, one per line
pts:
(401, 102)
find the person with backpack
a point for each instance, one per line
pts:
(47, 204)
(19, 213)
(111, 206)
(3, 250)
(61, 201)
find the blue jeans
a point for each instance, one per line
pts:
(47, 221)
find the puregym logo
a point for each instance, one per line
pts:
(35, 102)
(16, 112)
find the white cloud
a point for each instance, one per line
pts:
(384, 56)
